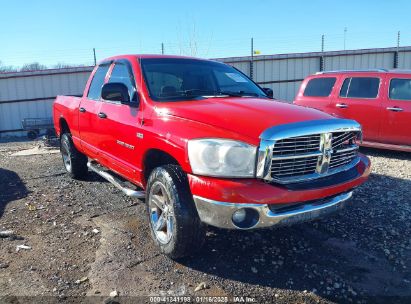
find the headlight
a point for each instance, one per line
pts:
(222, 157)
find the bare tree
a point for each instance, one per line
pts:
(62, 65)
(34, 66)
(187, 41)
(7, 68)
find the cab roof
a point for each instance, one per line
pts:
(143, 56)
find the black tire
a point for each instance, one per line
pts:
(187, 232)
(50, 133)
(32, 134)
(74, 161)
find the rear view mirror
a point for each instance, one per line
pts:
(115, 91)
(268, 92)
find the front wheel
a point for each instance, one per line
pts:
(174, 222)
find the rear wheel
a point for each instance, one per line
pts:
(74, 161)
(32, 134)
(174, 222)
(50, 133)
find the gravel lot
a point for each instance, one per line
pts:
(86, 238)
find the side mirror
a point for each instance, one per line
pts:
(115, 91)
(269, 92)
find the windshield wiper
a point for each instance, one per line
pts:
(237, 94)
(192, 91)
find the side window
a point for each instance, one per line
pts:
(360, 87)
(122, 74)
(94, 91)
(320, 87)
(400, 89)
(344, 88)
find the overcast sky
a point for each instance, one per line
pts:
(66, 31)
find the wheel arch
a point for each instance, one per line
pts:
(63, 125)
(154, 158)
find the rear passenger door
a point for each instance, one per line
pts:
(317, 93)
(396, 123)
(359, 99)
(88, 112)
(120, 124)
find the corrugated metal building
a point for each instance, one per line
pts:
(284, 73)
(30, 94)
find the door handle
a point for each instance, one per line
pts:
(394, 109)
(102, 115)
(341, 105)
(82, 110)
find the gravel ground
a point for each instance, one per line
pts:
(86, 238)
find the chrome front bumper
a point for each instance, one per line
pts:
(219, 214)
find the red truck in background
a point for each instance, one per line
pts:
(380, 100)
(204, 145)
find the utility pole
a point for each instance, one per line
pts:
(322, 43)
(397, 51)
(162, 48)
(322, 55)
(345, 36)
(94, 54)
(252, 59)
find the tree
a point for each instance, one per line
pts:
(34, 66)
(7, 68)
(62, 65)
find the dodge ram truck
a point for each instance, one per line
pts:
(203, 144)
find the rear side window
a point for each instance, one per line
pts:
(94, 91)
(360, 87)
(319, 87)
(400, 89)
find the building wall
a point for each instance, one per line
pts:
(284, 73)
(31, 94)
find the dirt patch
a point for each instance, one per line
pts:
(87, 239)
(36, 151)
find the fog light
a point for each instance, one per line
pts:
(239, 216)
(245, 218)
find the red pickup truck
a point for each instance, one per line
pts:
(203, 144)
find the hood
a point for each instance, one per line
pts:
(244, 115)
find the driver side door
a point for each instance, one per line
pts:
(120, 123)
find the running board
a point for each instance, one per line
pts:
(96, 167)
(403, 148)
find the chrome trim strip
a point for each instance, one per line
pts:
(310, 127)
(313, 176)
(305, 155)
(219, 214)
(351, 148)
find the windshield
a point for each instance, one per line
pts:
(171, 79)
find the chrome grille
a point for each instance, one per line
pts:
(344, 149)
(340, 139)
(293, 166)
(287, 152)
(297, 145)
(296, 158)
